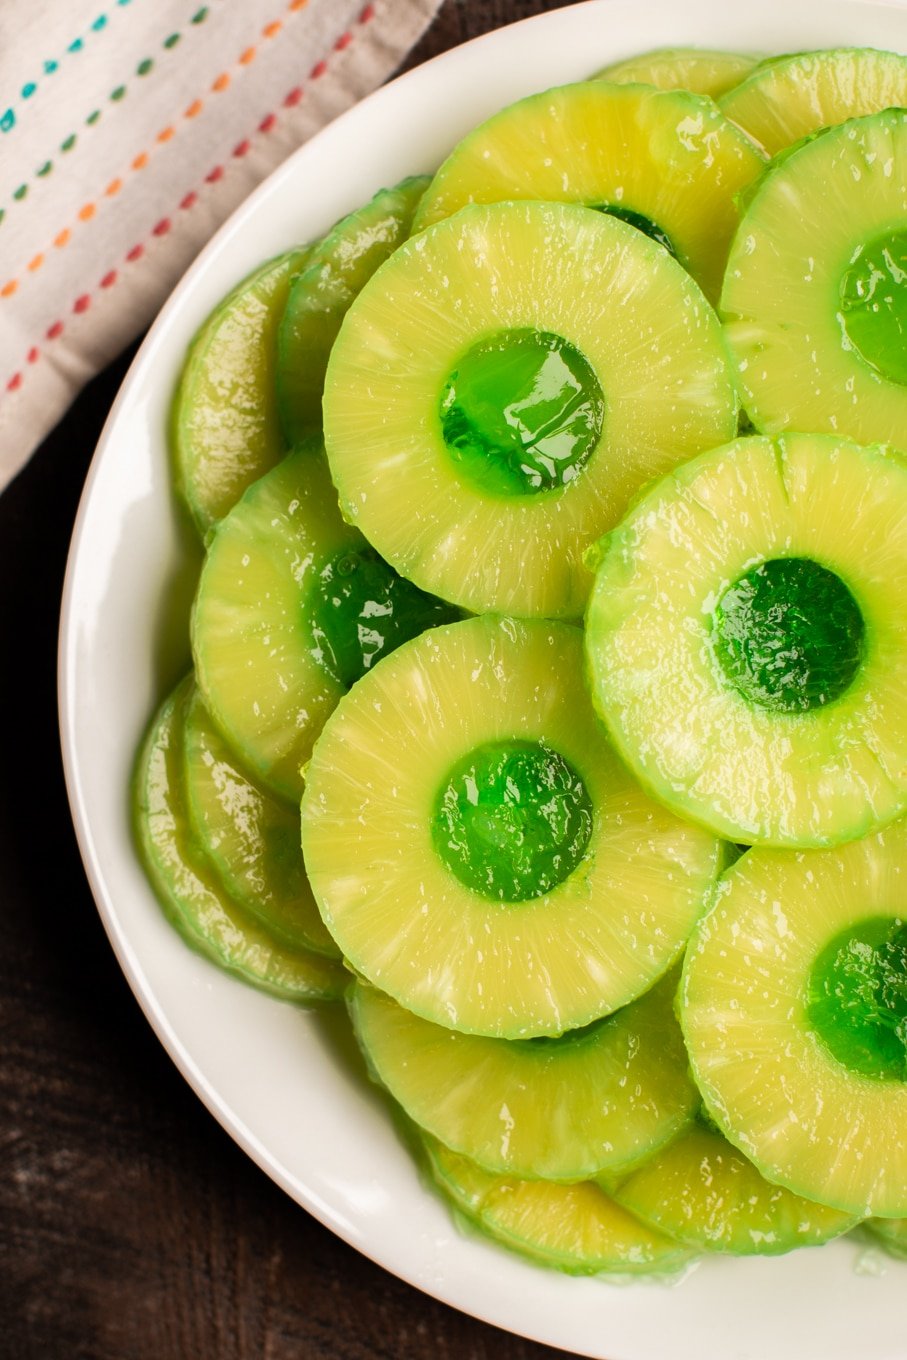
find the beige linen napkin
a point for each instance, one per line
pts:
(129, 130)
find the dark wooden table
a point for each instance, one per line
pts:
(131, 1226)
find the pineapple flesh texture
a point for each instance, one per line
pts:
(697, 69)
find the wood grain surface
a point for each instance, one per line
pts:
(131, 1226)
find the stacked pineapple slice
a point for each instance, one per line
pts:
(420, 451)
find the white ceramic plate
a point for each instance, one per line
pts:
(285, 1083)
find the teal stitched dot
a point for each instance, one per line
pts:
(28, 90)
(118, 93)
(200, 15)
(45, 169)
(93, 117)
(144, 67)
(172, 40)
(19, 194)
(99, 23)
(69, 143)
(75, 46)
(7, 121)
(122, 2)
(50, 67)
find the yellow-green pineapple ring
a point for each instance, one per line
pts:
(477, 849)
(667, 161)
(501, 388)
(815, 295)
(700, 70)
(793, 1004)
(787, 98)
(747, 640)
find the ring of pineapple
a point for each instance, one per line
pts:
(558, 961)
(668, 155)
(638, 319)
(754, 775)
(781, 302)
(778, 1094)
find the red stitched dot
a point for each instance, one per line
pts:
(189, 201)
(55, 330)
(343, 41)
(318, 70)
(14, 382)
(266, 124)
(242, 148)
(161, 228)
(33, 355)
(292, 98)
(109, 279)
(214, 175)
(367, 14)
(136, 253)
(82, 303)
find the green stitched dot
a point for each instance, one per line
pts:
(118, 93)
(50, 67)
(2, 214)
(99, 22)
(75, 46)
(93, 117)
(200, 15)
(28, 90)
(172, 40)
(7, 121)
(144, 67)
(45, 169)
(19, 194)
(69, 143)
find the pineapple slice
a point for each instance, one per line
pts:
(192, 896)
(575, 1228)
(698, 70)
(702, 1191)
(334, 272)
(787, 98)
(667, 161)
(502, 387)
(292, 606)
(224, 427)
(890, 1233)
(603, 1098)
(476, 848)
(747, 644)
(251, 837)
(794, 1009)
(815, 297)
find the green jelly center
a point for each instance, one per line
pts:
(522, 412)
(640, 222)
(360, 610)
(512, 820)
(874, 304)
(789, 635)
(857, 998)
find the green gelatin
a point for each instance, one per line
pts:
(522, 412)
(641, 223)
(360, 610)
(874, 304)
(858, 998)
(789, 635)
(513, 820)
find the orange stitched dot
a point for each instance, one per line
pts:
(165, 134)
(221, 83)
(247, 57)
(86, 212)
(61, 240)
(113, 188)
(194, 108)
(272, 30)
(9, 288)
(297, 4)
(140, 161)
(36, 263)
